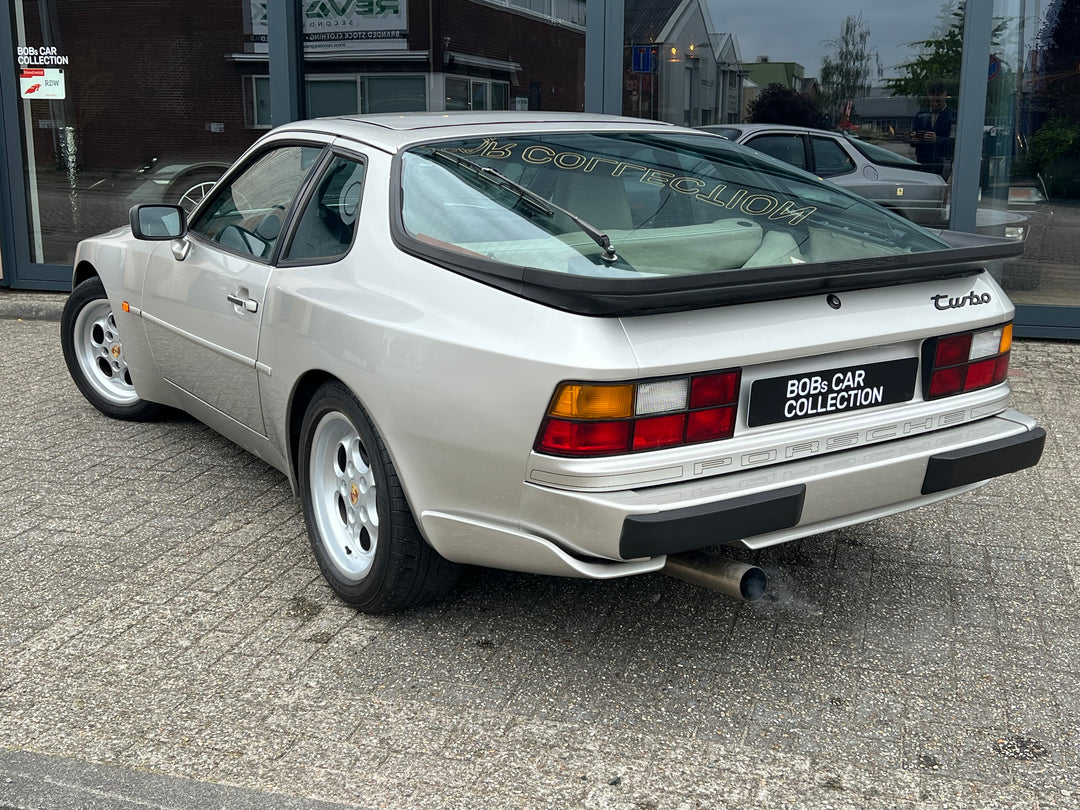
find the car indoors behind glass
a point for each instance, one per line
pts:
(890, 179)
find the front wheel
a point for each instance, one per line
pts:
(362, 531)
(94, 354)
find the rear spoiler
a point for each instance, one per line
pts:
(966, 255)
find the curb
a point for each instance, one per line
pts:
(31, 306)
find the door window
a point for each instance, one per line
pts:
(246, 215)
(328, 223)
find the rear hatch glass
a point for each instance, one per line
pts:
(620, 222)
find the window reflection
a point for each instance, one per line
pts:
(1031, 148)
(191, 90)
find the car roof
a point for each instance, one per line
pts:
(395, 131)
(746, 128)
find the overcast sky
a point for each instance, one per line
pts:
(789, 31)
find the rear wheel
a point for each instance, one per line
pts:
(362, 531)
(94, 354)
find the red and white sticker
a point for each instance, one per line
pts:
(41, 84)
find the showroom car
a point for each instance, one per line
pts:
(564, 344)
(879, 174)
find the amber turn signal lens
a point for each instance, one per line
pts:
(1006, 339)
(591, 401)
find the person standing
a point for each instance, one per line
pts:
(933, 132)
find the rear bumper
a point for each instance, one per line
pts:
(782, 502)
(600, 535)
(776, 510)
(970, 465)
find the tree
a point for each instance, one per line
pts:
(939, 57)
(777, 104)
(845, 74)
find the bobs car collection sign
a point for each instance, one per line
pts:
(38, 79)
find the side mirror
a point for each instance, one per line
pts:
(157, 223)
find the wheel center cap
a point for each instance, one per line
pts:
(115, 351)
(354, 494)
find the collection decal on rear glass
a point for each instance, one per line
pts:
(747, 201)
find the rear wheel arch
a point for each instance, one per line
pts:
(302, 395)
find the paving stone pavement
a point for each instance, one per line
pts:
(164, 630)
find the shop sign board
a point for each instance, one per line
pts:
(341, 24)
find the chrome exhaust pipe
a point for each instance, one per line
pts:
(731, 578)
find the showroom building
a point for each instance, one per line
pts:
(106, 104)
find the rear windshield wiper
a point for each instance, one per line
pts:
(542, 204)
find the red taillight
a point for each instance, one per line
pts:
(714, 389)
(952, 350)
(659, 431)
(710, 424)
(585, 438)
(648, 415)
(968, 362)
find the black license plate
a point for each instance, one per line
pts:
(835, 390)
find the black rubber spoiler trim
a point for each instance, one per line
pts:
(615, 297)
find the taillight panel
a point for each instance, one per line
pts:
(604, 419)
(956, 364)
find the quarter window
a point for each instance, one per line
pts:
(830, 159)
(328, 224)
(788, 148)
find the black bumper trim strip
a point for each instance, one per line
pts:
(711, 524)
(958, 468)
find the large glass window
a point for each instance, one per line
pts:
(447, 54)
(887, 73)
(122, 103)
(1030, 171)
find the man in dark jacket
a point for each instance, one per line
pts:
(932, 132)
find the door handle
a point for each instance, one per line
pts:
(247, 304)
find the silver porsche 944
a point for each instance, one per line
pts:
(565, 344)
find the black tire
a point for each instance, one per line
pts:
(362, 531)
(94, 354)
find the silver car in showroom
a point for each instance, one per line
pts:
(565, 344)
(872, 171)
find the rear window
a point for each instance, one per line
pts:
(635, 205)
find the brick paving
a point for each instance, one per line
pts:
(161, 618)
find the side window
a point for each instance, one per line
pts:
(328, 223)
(788, 148)
(830, 159)
(246, 215)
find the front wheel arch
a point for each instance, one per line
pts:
(92, 346)
(83, 271)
